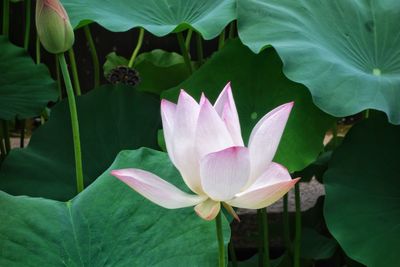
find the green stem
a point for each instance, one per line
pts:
(38, 50)
(2, 149)
(367, 114)
(137, 48)
(27, 24)
(188, 38)
(286, 224)
(221, 40)
(74, 69)
(335, 134)
(199, 48)
(95, 58)
(263, 220)
(22, 136)
(221, 248)
(184, 52)
(297, 238)
(232, 28)
(233, 254)
(260, 240)
(6, 17)
(6, 136)
(58, 76)
(74, 122)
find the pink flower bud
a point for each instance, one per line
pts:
(54, 29)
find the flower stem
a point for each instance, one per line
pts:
(221, 40)
(27, 24)
(297, 237)
(38, 50)
(6, 136)
(22, 136)
(232, 29)
(2, 150)
(221, 248)
(74, 122)
(233, 254)
(199, 48)
(74, 69)
(188, 38)
(137, 48)
(264, 244)
(95, 58)
(6, 17)
(286, 224)
(184, 51)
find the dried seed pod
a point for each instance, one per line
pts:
(124, 75)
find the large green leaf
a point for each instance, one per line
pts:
(25, 88)
(362, 206)
(209, 17)
(346, 52)
(111, 119)
(258, 87)
(108, 224)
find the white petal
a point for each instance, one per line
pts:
(224, 173)
(211, 132)
(183, 141)
(156, 190)
(208, 209)
(226, 109)
(265, 137)
(263, 196)
(168, 110)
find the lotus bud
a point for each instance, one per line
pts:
(54, 29)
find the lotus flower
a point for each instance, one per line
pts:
(53, 27)
(205, 144)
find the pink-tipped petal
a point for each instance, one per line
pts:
(156, 190)
(211, 132)
(265, 138)
(263, 196)
(226, 109)
(224, 173)
(208, 209)
(275, 173)
(183, 141)
(168, 111)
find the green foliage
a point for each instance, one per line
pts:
(111, 119)
(259, 86)
(345, 52)
(108, 224)
(25, 88)
(362, 193)
(209, 17)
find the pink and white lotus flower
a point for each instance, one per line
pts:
(205, 144)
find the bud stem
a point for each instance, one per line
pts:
(221, 248)
(74, 122)
(95, 58)
(137, 48)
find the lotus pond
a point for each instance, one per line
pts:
(161, 133)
